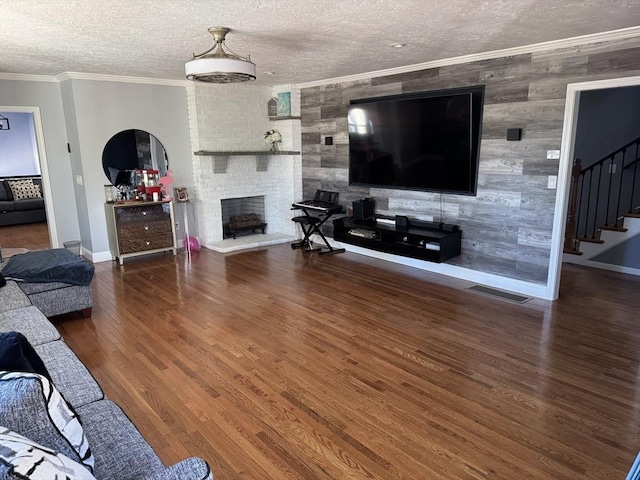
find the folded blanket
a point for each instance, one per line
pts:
(57, 265)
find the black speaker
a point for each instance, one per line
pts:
(402, 223)
(363, 209)
(514, 134)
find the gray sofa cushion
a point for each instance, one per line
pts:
(7, 189)
(56, 298)
(31, 406)
(120, 451)
(193, 468)
(4, 196)
(6, 206)
(12, 297)
(29, 204)
(68, 374)
(30, 322)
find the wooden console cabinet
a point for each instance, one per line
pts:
(432, 244)
(140, 228)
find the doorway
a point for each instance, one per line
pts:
(24, 139)
(567, 154)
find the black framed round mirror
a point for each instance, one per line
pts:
(129, 150)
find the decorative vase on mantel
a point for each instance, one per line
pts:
(272, 137)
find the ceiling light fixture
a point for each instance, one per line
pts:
(220, 66)
(398, 45)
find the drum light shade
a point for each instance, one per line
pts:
(219, 66)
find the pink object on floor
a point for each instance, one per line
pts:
(192, 244)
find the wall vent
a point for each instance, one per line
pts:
(494, 292)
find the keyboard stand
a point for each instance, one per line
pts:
(310, 225)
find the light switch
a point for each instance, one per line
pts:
(79, 179)
(552, 181)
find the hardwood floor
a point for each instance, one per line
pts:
(32, 236)
(273, 364)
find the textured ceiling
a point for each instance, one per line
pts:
(298, 40)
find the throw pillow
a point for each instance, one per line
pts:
(22, 458)
(31, 406)
(24, 189)
(17, 354)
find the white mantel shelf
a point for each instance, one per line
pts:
(209, 153)
(221, 158)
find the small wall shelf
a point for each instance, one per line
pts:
(221, 158)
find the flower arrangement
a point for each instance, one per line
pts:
(273, 137)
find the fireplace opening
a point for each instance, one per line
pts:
(243, 215)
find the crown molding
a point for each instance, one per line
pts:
(613, 35)
(28, 77)
(119, 78)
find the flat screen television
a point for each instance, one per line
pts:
(426, 141)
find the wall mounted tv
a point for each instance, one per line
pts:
(426, 141)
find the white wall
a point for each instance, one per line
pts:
(47, 96)
(18, 150)
(86, 114)
(95, 111)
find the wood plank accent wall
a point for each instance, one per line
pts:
(507, 227)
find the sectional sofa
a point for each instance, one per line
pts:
(117, 449)
(24, 210)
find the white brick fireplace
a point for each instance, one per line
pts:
(224, 118)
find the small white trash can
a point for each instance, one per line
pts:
(73, 246)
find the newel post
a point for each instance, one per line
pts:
(570, 231)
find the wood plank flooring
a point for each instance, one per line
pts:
(32, 236)
(273, 364)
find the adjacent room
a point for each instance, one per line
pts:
(330, 240)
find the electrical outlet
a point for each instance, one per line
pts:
(552, 181)
(79, 179)
(553, 154)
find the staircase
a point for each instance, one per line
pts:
(604, 209)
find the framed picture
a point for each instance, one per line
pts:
(272, 107)
(284, 104)
(181, 194)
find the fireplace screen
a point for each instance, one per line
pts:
(243, 215)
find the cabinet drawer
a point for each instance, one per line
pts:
(144, 227)
(139, 214)
(143, 243)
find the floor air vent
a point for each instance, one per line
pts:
(511, 297)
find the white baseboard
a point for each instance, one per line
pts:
(97, 257)
(612, 267)
(488, 279)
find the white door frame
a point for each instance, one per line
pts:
(44, 169)
(564, 172)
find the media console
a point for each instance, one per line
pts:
(417, 241)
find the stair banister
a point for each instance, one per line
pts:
(570, 231)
